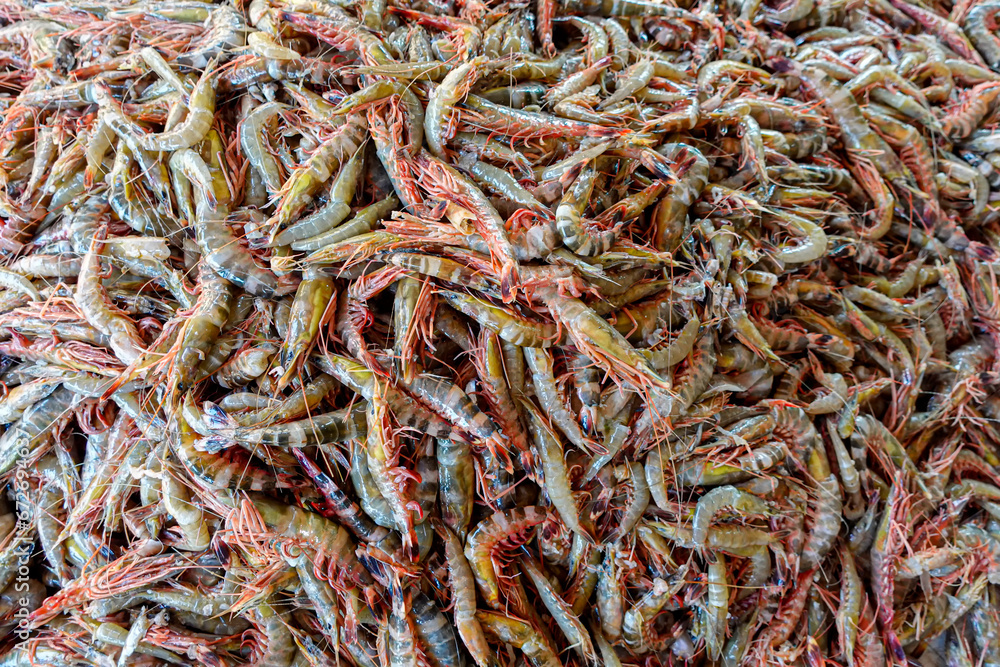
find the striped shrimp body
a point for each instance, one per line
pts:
(507, 324)
(435, 632)
(981, 25)
(321, 429)
(455, 406)
(229, 469)
(339, 504)
(826, 514)
(406, 412)
(569, 218)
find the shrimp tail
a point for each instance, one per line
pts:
(217, 418)
(895, 646)
(509, 280)
(114, 386)
(213, 444)
(782, 65)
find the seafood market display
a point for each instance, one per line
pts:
(451, 332)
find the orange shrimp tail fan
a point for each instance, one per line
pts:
(510, 280)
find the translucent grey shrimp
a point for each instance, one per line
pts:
(502, 183)
(362, 222)
(716, 607)
(670, 216)
(464, 596)
(307, 179)
(664, 357)
(639, 501)
(718, 499)
(557, 480)
(631, 81)
(222, 250)
(93, 301)
(623, 8)
(980, 25)
(610, 597)
(586, 382)
(735, 649)
(320, 593)
(245, 366)
(402, 643)
(23, 396)
(507, 324)
(435, 632)
(197, 122)
(573, 629)
(857, 134)
(827, 512)
(225, 31)
(369, 495)
(189, 516)
(48, 266)
(153, 170)
(637, 624)
(548, 394)
(576, 82)
(446, 95)
(48, 511)
(569, 218)
(211, 311)
(849, 612)
(457, 480)
(334, 211)
(251, 131)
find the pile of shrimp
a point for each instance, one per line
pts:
(432, 333)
